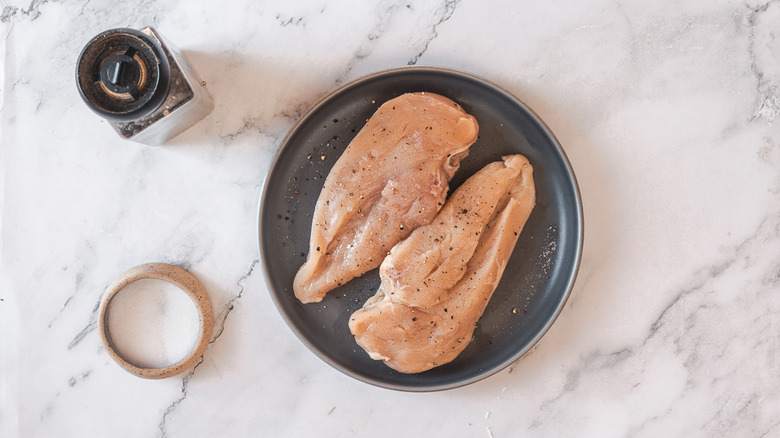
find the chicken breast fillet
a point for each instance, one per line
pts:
(436, 284)
(392, 178)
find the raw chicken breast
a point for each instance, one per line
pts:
(436, 284)
(392, 178)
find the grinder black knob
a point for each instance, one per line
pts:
(123, 75)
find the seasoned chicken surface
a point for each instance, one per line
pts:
(436, 283)
(392, 178)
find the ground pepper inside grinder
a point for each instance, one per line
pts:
(141, 84)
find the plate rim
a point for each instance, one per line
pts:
(580, 226)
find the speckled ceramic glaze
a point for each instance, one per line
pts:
(184, 281)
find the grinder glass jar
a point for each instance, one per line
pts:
(141, 84)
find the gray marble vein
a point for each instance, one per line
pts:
(222, 316)
(162, 426)
(384, 16)
(89, 328)
(442, 15)
(767, 100)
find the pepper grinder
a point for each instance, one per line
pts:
(141, 84)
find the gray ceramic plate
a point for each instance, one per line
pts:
(537, 280)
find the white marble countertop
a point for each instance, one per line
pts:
(669, 112)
